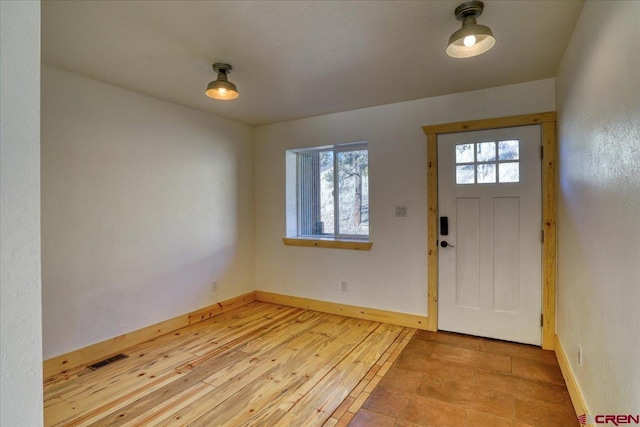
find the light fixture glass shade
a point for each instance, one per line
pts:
(472, 39)
(221, 88)
(484, 41)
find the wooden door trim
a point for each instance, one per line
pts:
(549, 206)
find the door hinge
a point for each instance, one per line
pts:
(541, 236)
(541, 320)
(541, 152)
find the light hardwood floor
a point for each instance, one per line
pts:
(260, 364)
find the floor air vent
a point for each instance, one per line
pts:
(108, 361)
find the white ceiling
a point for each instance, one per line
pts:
(295, 59)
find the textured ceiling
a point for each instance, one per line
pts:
(295, 59)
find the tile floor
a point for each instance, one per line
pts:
(443, 379)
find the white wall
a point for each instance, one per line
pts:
(598, 93)
(393, 275)
(20, 306)
(144, 204)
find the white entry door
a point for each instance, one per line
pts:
(489, 262)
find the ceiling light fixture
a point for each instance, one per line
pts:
(472, 39)
(221, 88)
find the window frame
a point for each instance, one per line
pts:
(335, 149)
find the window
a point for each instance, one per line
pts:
(488, 162)
(332, 192)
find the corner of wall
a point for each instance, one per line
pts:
(21, 309)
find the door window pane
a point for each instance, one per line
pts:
(509, 172)
(465, 174)
(486, 152)
(486, 173)
(464, 153)
(509, 150)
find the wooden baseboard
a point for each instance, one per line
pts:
(577, 398)
(376, 315)
(221, 307)
(107, 348)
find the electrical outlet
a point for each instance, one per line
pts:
(343, 286)
(214, 286)
(580, 356)
(401, 211)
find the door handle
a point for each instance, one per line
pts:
(444, 244)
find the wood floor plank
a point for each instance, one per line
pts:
(331, 360)
(169, 406)
(213, 332)
(254, 388)
(259, 364)
(236, 378)
(110, 381)
(211, 329)
(283, 332)
(190, 379)
(63, 377)
(244, 333)
(315, 408)
(57, 412)
(148, 364)
(240, 408)
(92, 409)
(314, 369)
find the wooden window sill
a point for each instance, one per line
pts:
(328, 243)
